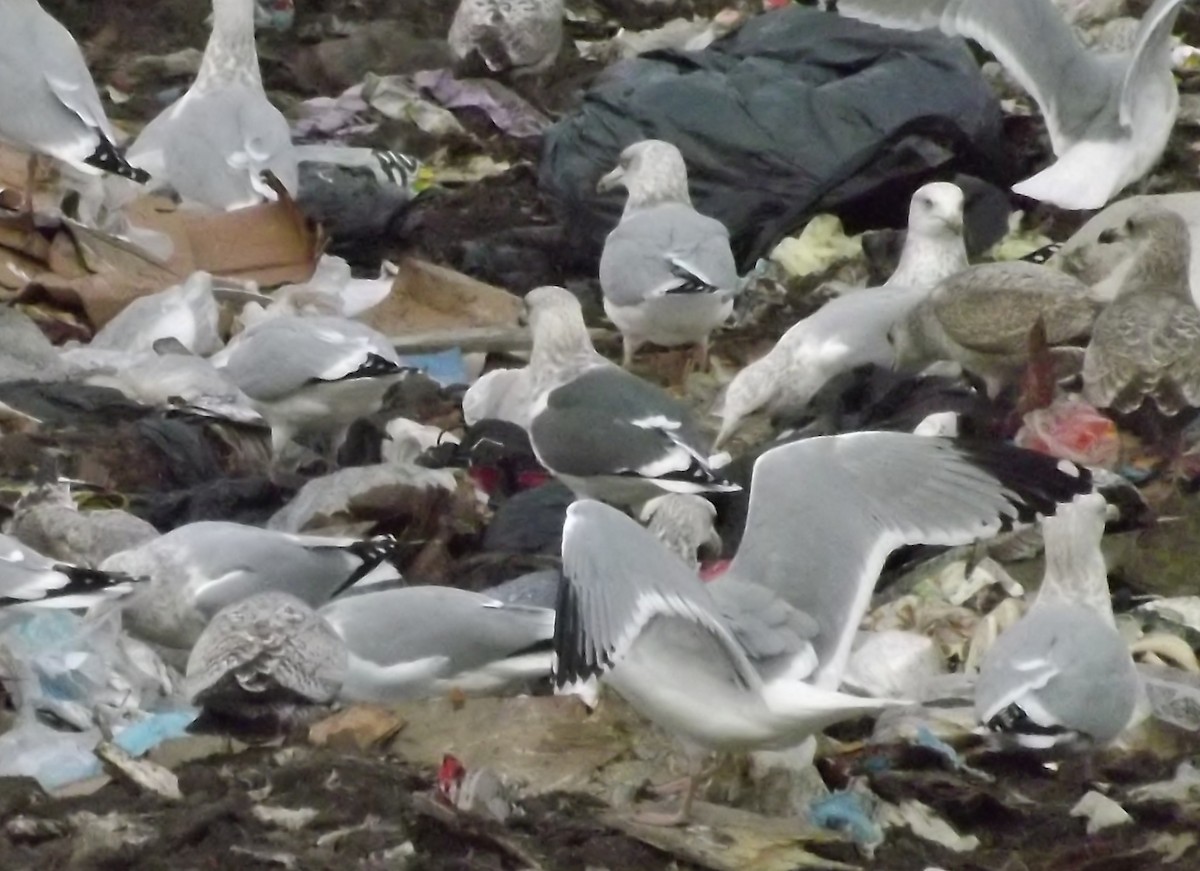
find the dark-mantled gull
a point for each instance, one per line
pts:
(264, 655)
(605, 432)
(416, 642)
(1062, 676)
(193, 571)
(49, 104)
(29, 577)
(1146, 343)
(851, 330)
(311, 374)
(982, 316)
(519, 35)
(667, 272)
(754, 658)
(1108, 114)
(213, 144)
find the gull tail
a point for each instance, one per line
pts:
(817, 708)
(107, 158)
(68, 586)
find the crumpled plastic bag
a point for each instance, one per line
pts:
(1071, 429)
(797, 112)
(187, 312)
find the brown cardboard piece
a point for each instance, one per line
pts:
(426, 296)
(98, 275)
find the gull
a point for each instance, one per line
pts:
(982, 317)
(1109, 115)
(602, 431)
(667, 272)
(851, 330)
(519, 35)
(48, 520)
(213, 144)
(48, 102)
(754, 658)
(263, 655)
(311, 374)
(195, 570)
(187, 312)
(1062, 676)
(1145, 345)
(417, 642)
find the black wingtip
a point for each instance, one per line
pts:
(572, 663)
(1040, 482)
(107, 158)
(372, 552)
(80, 581)
(374, 366)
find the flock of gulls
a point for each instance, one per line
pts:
(753, 657)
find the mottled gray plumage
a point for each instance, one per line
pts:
(982, 317)
(268, 650)
(49, 521)
(414, 642)
(1108, 115)
(600, 429)
(213, 143)
(1146, 343)
(48, 101)
(684, 523)
(667, 272)
(1062, 675)
(311, 374)
(520, 35)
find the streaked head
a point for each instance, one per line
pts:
(1163, 254)
(936, 209)
(684, 523)
(652, 171)
(555, 317)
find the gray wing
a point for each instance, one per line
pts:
(670, 248)
(279, 356)
(264, 644)
(49, 100)
(212, 146)
(408, 624)
(1071, 85)
(608, 422)
(1151, 54)
(777, 638)
(213, 564)
(825, 513)
(610, 594)
(1064, 670)
(1146, 345)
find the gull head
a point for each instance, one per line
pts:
(1162, 252)
(652, 171)
(560, 334)
(684, 523)
(936, 210)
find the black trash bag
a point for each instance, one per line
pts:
(798, 112)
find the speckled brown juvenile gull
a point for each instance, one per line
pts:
(1146, 343)
(982, 316)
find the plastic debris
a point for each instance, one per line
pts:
(925, 823)
(1183, 788)
(1072, 430)
(1100, 811)
(851, 811)
(892, 663)
(148, 775)
(821, 244)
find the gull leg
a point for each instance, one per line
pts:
(674, 787)
(690, 786)
(700, 354)
(629, 347)
(30, 180)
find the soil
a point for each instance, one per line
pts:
(1022, 819)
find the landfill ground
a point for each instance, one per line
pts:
(374, 806)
